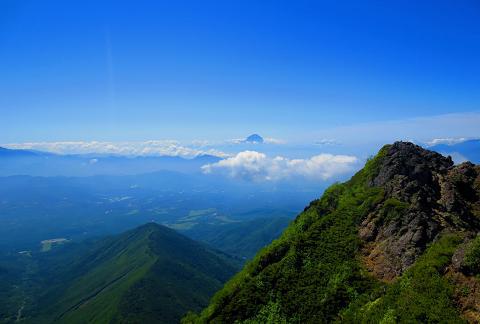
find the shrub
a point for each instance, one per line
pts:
(472, 256)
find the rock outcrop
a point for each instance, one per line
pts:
(425, 195)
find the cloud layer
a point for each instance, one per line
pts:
(256, 166)
(146, 148)
(422, 129)
(446, 141)
(266, 140)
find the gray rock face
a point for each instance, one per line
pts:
(410, 160)
(424, 195)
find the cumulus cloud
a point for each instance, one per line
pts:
(146, 148)
(252, 165)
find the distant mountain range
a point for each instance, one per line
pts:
(398, 242)
(9, 153)
(35, 163)
(33, 209)
(464, 151)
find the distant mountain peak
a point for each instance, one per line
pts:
(254, 138)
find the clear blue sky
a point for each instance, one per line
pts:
(135, 70)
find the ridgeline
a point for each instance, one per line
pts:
(396, 243)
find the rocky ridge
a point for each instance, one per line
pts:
(426, 194)
(398, 242)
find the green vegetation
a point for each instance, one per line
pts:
(372, 166)
(314, 272)
(421, 295)
(9, 294)
(472, 256)
(392, 209)
(150, 274)
(240, 239)
(200, 218)
(201, 212)
(311, 272)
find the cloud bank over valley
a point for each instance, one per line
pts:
(256, 166)
(144, 148)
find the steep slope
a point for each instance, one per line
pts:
(150, 274)
(396, 243)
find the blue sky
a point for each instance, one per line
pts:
(217, 70)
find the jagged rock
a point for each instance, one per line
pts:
(438, 196)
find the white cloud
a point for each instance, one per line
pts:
(236, 141)
(266, 140)
(271, 140)
(147, 148)
(201, 143)
(252, 165)
(422, 129)
(447, 141)
(327, 142)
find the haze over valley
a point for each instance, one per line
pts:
(239, 162)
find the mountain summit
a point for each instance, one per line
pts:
(254, 138)
(150, 274)
(396, 243)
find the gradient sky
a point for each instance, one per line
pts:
(138, 70)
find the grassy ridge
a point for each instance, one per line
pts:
(313, 272)
(95, 296)
(150, 274)
(310, 273)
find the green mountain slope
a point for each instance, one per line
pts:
(150, 274)
(8, 297)
(241, 239)
(396, 243)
